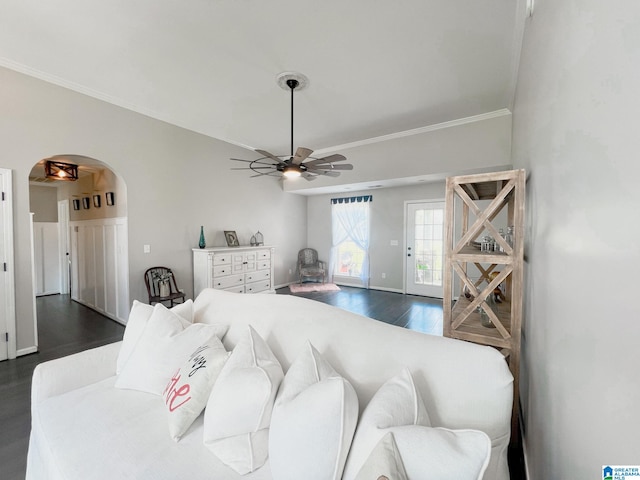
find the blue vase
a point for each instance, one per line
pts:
(202, 243)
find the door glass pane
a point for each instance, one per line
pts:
(428, 246)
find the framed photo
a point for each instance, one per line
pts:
(97, 201)
(111, 200)
(232, 238)
(86, 203)
(76, 204)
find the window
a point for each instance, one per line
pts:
(350, 232)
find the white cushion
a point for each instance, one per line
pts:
(166, 343)
(313, 421)
(138, 318)
(187, 392)
(238, 413)
(383, 462)
(426, 452)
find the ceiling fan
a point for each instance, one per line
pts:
(301, 163)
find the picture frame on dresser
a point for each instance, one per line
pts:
(232, 238)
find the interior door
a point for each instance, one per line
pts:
(424, 254)
(7, 287)
(63, 235)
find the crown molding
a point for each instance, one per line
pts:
(417, 131)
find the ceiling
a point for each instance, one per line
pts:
(374, 67)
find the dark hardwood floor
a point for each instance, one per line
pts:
(66, 327)
(423, 314)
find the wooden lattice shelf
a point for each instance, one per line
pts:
(480, 199)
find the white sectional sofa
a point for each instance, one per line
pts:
(83, 427)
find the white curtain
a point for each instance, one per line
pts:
(350, 221)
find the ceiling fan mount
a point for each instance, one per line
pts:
(301, 163)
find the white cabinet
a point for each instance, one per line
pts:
(236, 269)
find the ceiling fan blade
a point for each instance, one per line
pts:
(271, 156)
(254, 168)
(241, 160)
(309, 177)
(344, 166)
(301, 155)
(330, 159)
(327, 173)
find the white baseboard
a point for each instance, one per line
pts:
(27, 351)
(385, 289)
(115, 318)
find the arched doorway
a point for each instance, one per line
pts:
(80, 234)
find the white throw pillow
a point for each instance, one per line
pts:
(384, 462)
(138, 318)
(238, 413)
(187, 392)
(166, 343)
(313, 421)
(426, 452)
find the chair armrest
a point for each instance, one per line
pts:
(65, 374)
(322, 264)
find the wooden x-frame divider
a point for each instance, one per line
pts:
(461, 316)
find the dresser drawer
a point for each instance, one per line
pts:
(256, 276)
(221, 271)
(264, 264)
(222, 259)
(236, 289)
(257, 286)
(228, 281)
(263, 254)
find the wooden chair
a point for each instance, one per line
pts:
(309, 265)
(154, 278)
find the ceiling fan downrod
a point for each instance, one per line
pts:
(292, 83)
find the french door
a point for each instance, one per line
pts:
(424, 256)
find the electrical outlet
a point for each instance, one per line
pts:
(146, 248)
(384, 275)
(290, 271)
(393, 243)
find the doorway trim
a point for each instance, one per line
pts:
(8, 258)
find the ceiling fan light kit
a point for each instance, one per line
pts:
(294, 165)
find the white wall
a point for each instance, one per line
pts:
(44, 203)
(387, 223)
(176, 181)
(575, 132)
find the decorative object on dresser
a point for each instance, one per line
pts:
(489, 311)
(238, 269)
(257, 239)
(232, 238)
(161, 286)
(202, 243)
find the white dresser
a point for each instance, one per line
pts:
(235, 269)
